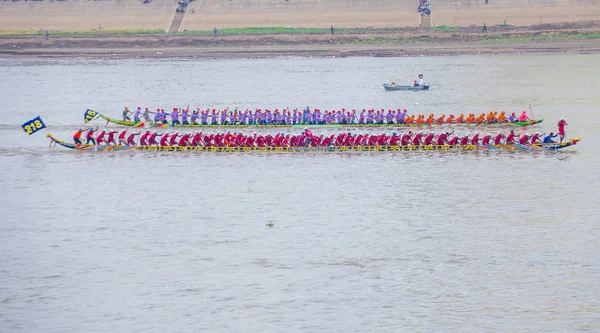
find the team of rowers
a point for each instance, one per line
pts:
(183, 116)
(305, 139)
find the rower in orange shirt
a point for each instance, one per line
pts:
(421, 119)
(430, 120)
(490, 117)
(480, 119)
(409, 120)
(470, 118)
(502, 117)
(440, 120)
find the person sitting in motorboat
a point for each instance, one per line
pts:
(393, 84)
(415, 84)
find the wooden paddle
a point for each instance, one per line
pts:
(532, 116)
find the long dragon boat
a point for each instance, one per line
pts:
(503, 147)
(395, 125)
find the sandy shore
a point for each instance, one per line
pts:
(546, 39)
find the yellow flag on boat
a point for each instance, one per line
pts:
(33, 125)
(89, 115)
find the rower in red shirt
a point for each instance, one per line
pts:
(405, 141)
(131, 138)
(111, 138)
(294, 141)
(260, 141)
(100, 137)
(184, 140)
(453, 141)
(164, 141)
(144, 138)
(349, 140)
(90, 136)
(465, 140)
(152, 139)
(122, 140)
(173, 139)
(394, 139)
(524, 140)
(443, 138)
(511, 138)
(536, 138)
(475, 140)
(416, 141)
(308, 132)
(429, 139)
(498, 139)
(486, 140)
(316, 141)
(196, 138)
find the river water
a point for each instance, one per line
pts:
(373, 242)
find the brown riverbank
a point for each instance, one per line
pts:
(576, 37)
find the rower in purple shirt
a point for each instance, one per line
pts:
(268, 117)
(369, 117)
(378, 118)
(309, 118)
(338, 117)
(163, 116)
(223, 117)
(157, 116)
(213, 117)
(389, 117)
(258, 117)
(194, 117)
(352, 117)
(175, 117)
(184, 117)
(204, 118)
(318, 117)
(136, 115)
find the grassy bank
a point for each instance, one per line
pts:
(80, 33)
(594, 35)
(230, 32)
